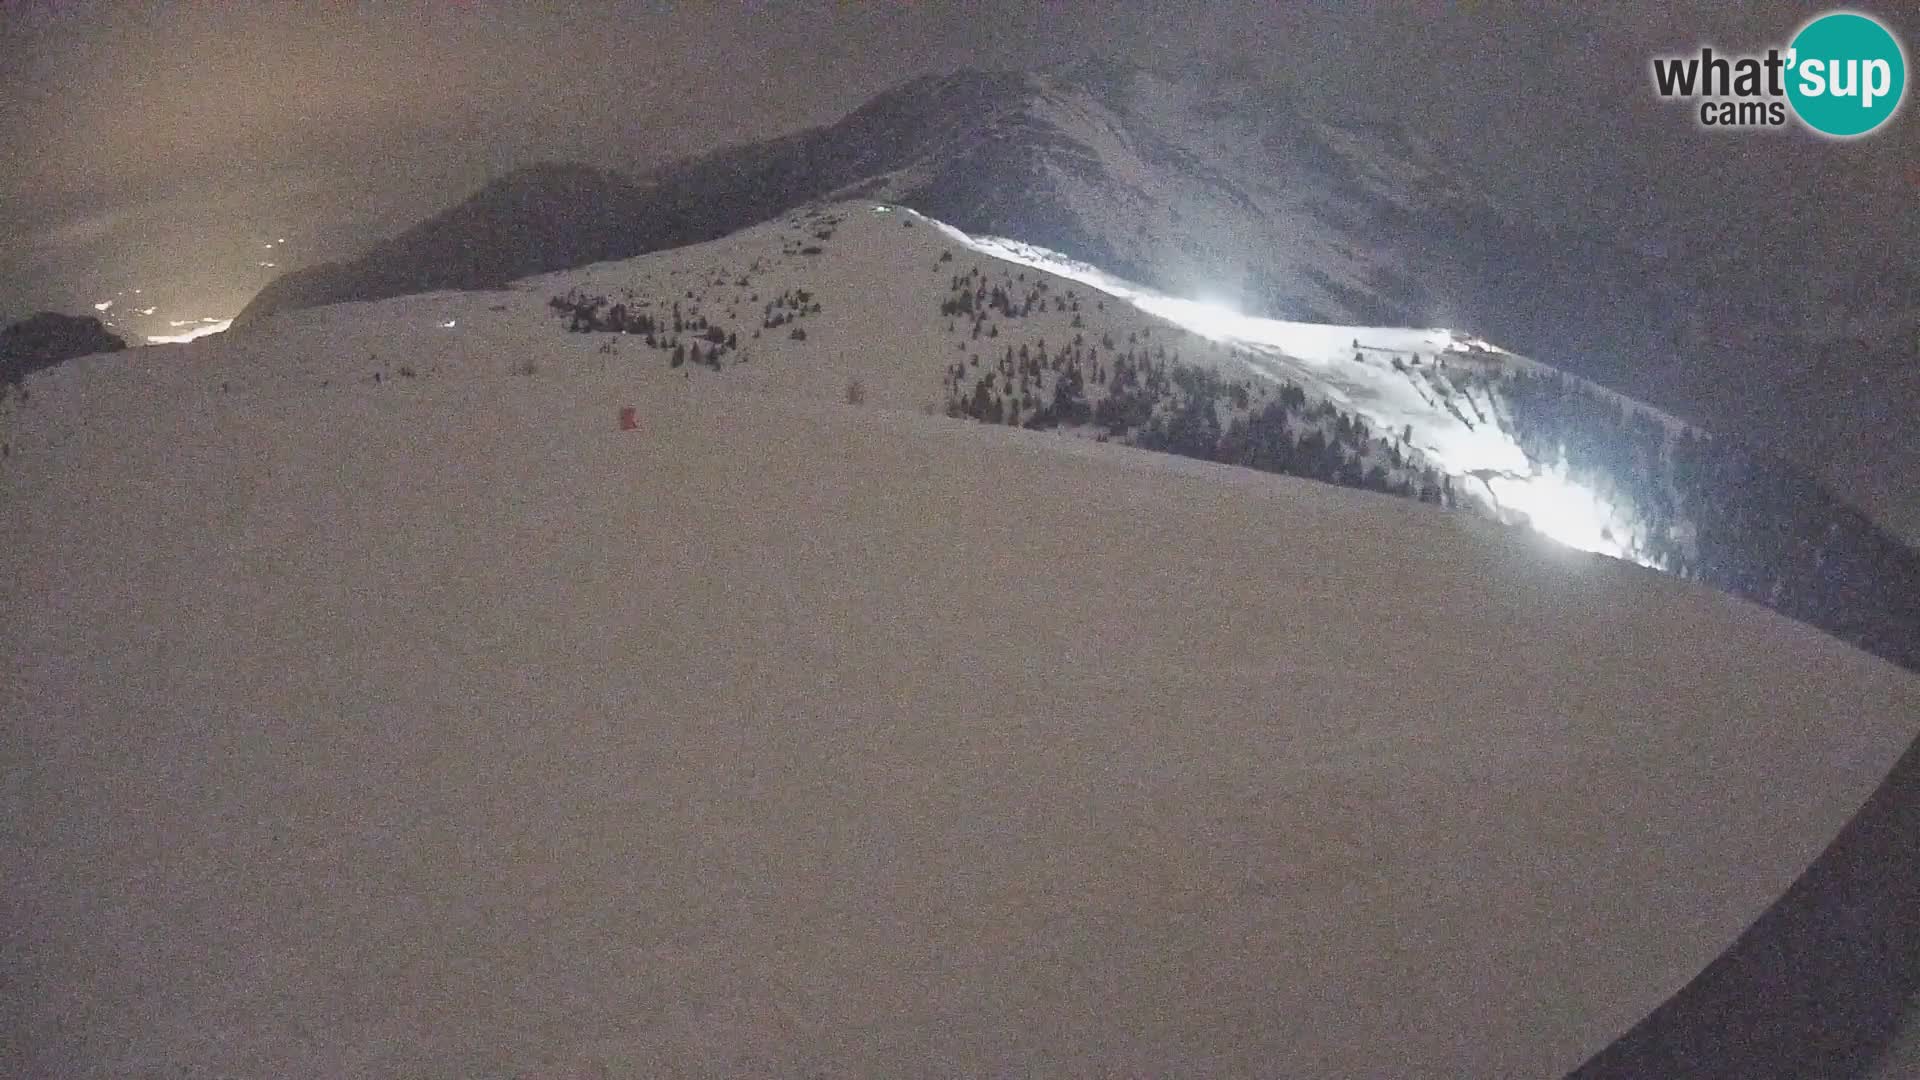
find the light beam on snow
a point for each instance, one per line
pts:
(1215, 322)
(1561, 510)
(207, 327)
(1397, 379)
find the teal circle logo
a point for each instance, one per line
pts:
(1846, 74)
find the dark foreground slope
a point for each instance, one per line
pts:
(1822, 984)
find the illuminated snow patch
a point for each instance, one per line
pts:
(450, 324)
(207, 327)
(103, 305)
(1562, 510)
(1392, 378)
(1215, 322)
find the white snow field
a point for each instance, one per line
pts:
(436, 727)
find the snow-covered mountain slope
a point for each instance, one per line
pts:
(1203, 187)
(869, 289)
(1430, 393)
(375, 710)
(1425, 413)
(1206, 188)
(926, 317)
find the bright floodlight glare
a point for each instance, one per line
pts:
(1561, 510)
(1215, 322)
(213, 327)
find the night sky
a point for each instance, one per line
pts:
(164, 147)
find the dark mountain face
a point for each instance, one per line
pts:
(528, 221)
(47, 339)
(552, 217)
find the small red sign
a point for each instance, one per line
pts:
(627, 422)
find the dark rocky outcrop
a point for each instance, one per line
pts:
(47, 339)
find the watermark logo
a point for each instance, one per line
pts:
(1844, 75)
(1852, 74)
